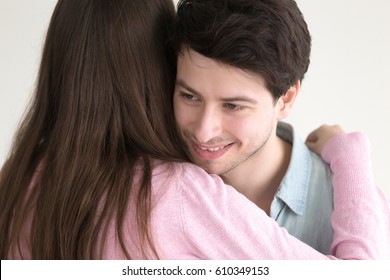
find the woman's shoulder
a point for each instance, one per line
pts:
(181, 192)
(185, 175)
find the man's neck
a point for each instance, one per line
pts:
(259, 177)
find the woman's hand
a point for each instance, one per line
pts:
(318, 138)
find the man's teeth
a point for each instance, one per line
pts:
(211, 149)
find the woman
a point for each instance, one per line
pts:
(96, 170)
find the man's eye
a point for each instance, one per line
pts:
(233, 107)
(189, 97)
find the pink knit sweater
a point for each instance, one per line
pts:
(197, 216)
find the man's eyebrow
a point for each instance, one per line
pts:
(183, 84)
(239, 98)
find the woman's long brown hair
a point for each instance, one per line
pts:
(102, 105)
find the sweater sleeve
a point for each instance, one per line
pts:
(361, 217)
(220, 223)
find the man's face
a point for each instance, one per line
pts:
(226, 116)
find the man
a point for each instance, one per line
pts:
(240, 64)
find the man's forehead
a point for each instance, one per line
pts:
(191, 58)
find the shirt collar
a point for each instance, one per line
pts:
(295, 184)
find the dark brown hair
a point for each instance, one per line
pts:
(265, 37)
(102, 105)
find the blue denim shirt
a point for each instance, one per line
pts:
(303, 203)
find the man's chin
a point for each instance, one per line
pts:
(205, 167)
(210, 169)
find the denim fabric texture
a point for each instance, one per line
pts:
(303, 203)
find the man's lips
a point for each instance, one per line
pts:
(210, 152)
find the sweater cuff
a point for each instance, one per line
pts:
(348, 146)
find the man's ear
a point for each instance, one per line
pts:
(286, 101)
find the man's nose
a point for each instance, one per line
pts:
(208, 125)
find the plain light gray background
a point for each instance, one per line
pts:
(347, 82)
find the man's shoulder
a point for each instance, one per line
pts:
(305, 164)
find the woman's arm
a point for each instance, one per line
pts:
(371, 204)
(220, 223)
